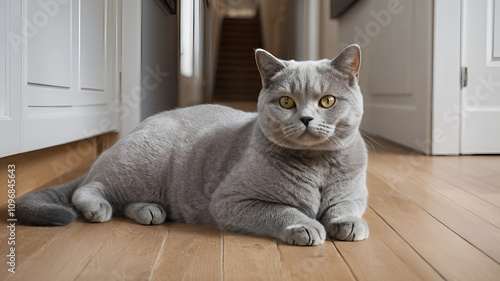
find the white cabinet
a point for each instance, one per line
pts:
(10, 79)
(66, 57)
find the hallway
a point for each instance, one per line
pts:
(237, 77)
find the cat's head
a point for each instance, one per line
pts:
(310, 105)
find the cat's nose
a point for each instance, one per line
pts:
(306, 119)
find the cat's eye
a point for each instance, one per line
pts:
(327, 101)
(286, 102)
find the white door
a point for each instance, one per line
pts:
(480, 116)
(396, 67)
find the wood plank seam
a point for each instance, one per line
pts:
(90, 260)
(222, 255)
(409, 245)
(445, 178)
(464, 207)
(344, 259)
(94, 255)
(466, 172)
(287, 274)
(160, 254)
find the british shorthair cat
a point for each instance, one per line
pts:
(296, 170)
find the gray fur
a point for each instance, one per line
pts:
(267, 174)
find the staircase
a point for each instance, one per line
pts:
(237, 77)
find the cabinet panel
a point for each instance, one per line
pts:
(3, 58)
(496, 30)
(92, 45)
(64, 124)
(48, 30)
(10, 78)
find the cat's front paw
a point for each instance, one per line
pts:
(146, 213)
(99, 211)
(350, 229)
(305, 234)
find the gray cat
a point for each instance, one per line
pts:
(295, 171)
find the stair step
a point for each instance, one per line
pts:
(237, 77)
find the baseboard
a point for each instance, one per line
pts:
(37, 168)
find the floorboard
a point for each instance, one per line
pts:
(384, 255)
(251, 258)
(388, 171)
(191, 252)
(130, 250)
(466, 224)
(322, 262)
(453, 257)
(59, 253)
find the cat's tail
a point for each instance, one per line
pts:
(49, 207)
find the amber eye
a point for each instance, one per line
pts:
(327, 101)
(286, 102)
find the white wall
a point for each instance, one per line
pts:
(159, 53)
(329, 46)
(446, 87)
(282, 23)
(130, 113)
(212, 31)
(149, 62)
(197, 88)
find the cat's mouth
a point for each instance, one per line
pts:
(314, 136)
(311, 136)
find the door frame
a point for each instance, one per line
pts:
(446, 90)
(130, 111)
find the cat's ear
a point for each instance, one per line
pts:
(268, 65)
(348, 62)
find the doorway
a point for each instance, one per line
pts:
(480, 97)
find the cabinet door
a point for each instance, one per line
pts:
(69, 73)
(10, 77)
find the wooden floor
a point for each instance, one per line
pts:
(431, 218)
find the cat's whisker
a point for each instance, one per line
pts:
(276, 145)
(369, 143)
(370, 139)
(339, 140)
